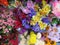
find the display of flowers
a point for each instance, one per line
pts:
(29, 22)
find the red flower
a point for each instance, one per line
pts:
(14, 42)
(23, 16)
(18, 24)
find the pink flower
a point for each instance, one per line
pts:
(0, 27)
(3, 16)
(3, 26)
(0, 20)
(9, 20)
(26, 10)
(56, 8)
(0, 36)
(6, 30)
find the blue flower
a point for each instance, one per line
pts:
(32, 12)
(46, 20)
(24, 22)
(36, 28)
(27, 26)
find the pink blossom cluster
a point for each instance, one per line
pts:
(6, 19)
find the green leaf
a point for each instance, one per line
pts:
(1, 31)
(54, 21)
(6, 41)
(9, 27)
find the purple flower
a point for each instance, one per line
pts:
(36, 28)
(45, 20)
(22, 31)
(27, 26)
(24, 22)
(32, 12)
(38, 1)
(30, 4)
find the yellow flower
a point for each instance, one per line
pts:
(36, 7)
(42, 25)
(44, 3)
(45, 10)
(53, 43)
(39, 15)
(32, 39)
(32, 22)
(48, 43)
(36, 18)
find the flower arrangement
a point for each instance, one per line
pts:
(29, 23)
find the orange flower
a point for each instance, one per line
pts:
(4, 2)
